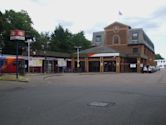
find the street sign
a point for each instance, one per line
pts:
(17, 35)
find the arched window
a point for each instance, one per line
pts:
(116, 39)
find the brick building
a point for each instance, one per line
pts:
(119, 48)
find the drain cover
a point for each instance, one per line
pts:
(101, 104)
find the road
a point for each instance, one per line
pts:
(85, 99)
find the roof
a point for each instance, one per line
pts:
(99, 49)
(116, 22)
(142, 38)
(50, 54)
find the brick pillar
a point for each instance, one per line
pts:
(139, 65)
(86, 65)
(122, 65)
(117, 64)
(101, 64)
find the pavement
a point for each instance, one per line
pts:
(85, 99)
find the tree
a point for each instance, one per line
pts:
(61, 40)
(64, 41)
(43, 40)
(15, 20)
(80, 40)
(158, 56)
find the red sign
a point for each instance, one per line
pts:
(17, 35)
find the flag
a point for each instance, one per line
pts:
(120, 13)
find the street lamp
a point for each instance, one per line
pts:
(29, 41)
(78, 58)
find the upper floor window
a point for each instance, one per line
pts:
(134, 36)
(116, 39)
(98, 38)
(135, 50)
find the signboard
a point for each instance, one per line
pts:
(133, 66)
(103, 54)
(62, 63)
(17, 35)
(35, 63)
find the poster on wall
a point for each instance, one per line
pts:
(35, 63)
(62, 63)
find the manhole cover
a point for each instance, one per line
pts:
(101, 104)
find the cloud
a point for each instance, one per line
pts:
(160, 13)
(146, 23)
(39, 1)
(64, 23)
(97, 27)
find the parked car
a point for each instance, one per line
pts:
(145, 69)
(149, 69)
(157, 68)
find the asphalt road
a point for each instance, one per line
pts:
(85, 99)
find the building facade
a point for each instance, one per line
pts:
(119, 48)
(161, 63)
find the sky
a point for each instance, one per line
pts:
(93, 15)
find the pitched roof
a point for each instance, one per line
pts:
(50, 54)
(116, 22)
(99, 49)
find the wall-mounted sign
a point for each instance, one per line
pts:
(133, 65)
(17, 35)
(35, 63)
(62, 63)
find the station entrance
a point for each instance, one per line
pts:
(94, 66)
(109, 66)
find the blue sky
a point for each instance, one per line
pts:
(94, 15)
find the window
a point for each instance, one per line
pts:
(98, 38)
(135, 50)
(116, 39)
(135, 36)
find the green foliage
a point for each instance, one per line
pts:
(64, 41)
(15, 20)
(80, 40)
(158, 56)
(61, 40)
(41, 41)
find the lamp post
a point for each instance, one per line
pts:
(45, 47)
(78, 56)
(29, 41)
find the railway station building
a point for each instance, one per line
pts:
(119, 48)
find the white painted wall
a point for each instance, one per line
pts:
(161, 63)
